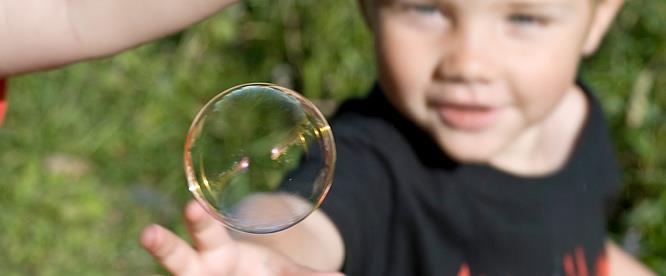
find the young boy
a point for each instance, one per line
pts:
(477, 153)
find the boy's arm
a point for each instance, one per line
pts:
(620, 263)
(315, 242)
(39, 34)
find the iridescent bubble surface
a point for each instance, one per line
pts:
(259, 157)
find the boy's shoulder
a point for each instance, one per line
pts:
(594, 142)
(366, 121)
(372, 124)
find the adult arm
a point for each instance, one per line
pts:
(621, 263)
(40, 34)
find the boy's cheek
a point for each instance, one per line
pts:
(406, 72)
(540, 84)
(408, 57)
(407, 44)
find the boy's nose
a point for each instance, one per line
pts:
(465, 58)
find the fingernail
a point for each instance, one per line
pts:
(149, 236)
(193, 211)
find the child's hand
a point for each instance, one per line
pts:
(214, 252)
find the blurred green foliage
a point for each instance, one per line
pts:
(93, 152)
(629, 73)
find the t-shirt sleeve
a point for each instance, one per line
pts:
(359, 200)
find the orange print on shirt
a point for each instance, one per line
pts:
(575, 264)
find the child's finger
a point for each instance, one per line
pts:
(171, 251)
(207, 234)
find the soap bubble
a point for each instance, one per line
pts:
(259, 158)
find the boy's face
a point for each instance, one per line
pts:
(478, 74)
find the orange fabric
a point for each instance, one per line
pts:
(602, 266)
(3, 99)
(580, 262)
(568, 263)
(575, 264)
(464, 270)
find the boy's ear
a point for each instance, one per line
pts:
(603, 15)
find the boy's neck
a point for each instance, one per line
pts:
(545, 147)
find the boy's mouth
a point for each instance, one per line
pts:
(467, 117)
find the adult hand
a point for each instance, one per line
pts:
(214, 251)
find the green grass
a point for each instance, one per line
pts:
(93, 152)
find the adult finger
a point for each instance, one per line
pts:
(171, 251)
(207, 233)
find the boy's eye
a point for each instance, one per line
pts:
(526, 19)
(423, 8)
(423, 14)
(417, 7)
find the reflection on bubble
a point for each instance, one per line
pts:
(259, 157)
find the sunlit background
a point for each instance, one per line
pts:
(91, 153)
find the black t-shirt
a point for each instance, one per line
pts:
(404, 208)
